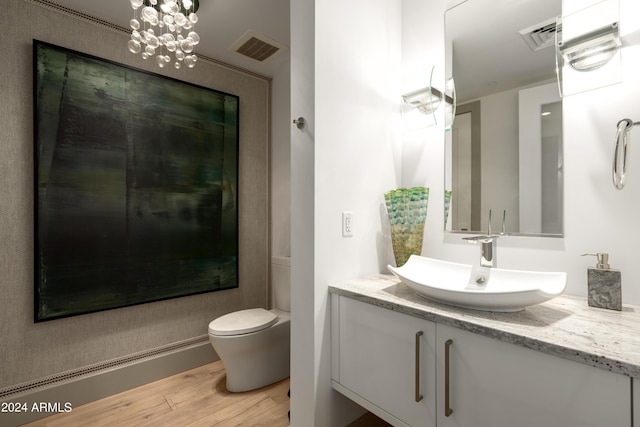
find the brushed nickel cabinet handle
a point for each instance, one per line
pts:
(417, 370)
(447, 408)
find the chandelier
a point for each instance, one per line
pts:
(166, 29)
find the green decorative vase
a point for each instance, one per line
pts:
(407, 211)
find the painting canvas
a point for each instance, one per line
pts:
(136, 179)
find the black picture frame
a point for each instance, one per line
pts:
(135, 185)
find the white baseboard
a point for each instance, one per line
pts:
(59, 393)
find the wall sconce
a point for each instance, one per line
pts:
(419, 106)
(592, 50)
(426, 100)
(588, 58)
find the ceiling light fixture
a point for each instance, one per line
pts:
(165, 27)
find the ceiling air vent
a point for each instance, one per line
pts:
(540, 35)
(257, 47)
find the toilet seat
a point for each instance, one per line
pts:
(242, 322)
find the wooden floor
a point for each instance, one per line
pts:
(194, 398)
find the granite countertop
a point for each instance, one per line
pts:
(565, 326)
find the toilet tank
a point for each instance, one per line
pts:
(281, 282)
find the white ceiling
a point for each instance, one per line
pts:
(220, 24)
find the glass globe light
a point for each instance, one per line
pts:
(153, 42)
(134, 46)
(189, 60)
(186, 45)
(148, 14)
(180, 19)
(195, 38)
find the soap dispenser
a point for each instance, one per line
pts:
(604, 284)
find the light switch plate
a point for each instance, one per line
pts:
(347, 224)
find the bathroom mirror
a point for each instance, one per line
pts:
(504, 152)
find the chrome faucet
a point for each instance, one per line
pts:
(488, 250)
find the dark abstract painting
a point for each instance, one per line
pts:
(136, 179)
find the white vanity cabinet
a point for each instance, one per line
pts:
(496, 384)
(374, 362)
(483, 382)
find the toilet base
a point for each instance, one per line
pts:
(257, 359)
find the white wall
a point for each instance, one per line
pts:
(303, 349)
(281, 161)
(344, 160)
(597, 216)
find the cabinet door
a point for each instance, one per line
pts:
(377, 362)
(495, 384)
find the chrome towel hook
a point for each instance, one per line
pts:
(621, 153)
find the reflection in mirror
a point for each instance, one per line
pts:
(551, 168)
(502, 154)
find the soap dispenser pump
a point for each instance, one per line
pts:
(604, 284)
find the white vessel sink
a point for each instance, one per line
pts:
(488, 289)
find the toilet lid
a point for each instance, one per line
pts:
(242, 322)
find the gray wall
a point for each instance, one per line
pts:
(31, 351)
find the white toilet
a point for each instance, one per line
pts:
(254, 344)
